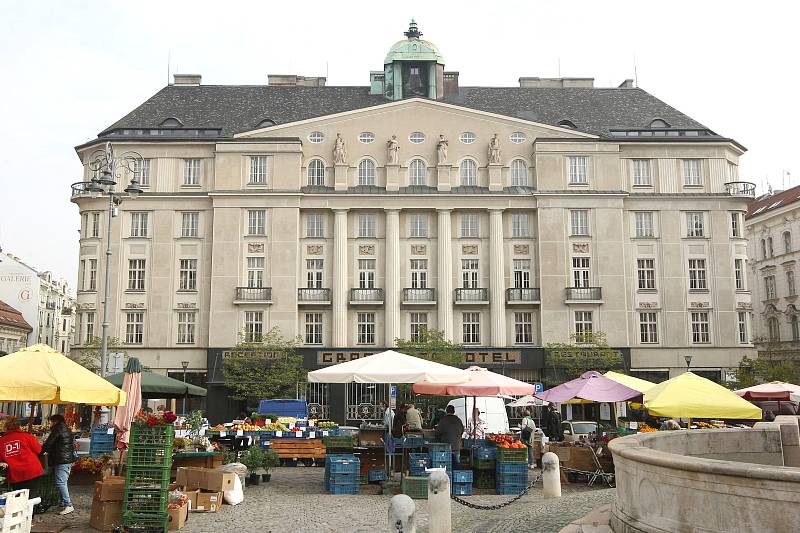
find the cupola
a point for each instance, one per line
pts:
(412, 68)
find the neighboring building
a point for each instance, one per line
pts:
(338, 215)
(773, 231)
(14, 330)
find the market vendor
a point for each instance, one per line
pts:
(413, 418)
(19, 453)
(60, 449)
(449, 430)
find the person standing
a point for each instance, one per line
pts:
(60, 450)
(413, 418)
(449, 430)
(553, 426)
(19, 452)
(527, 429)
(476, 425)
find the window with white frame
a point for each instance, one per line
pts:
(85, 225)
(790, 283)
(467, 137)
(187, 321)
(578, 169)
(366, 328)
(419, 273)
(134, 327)
(691, 172)
(416, 137)
(366, 273)
(523, 328)
(314, 272)
(253, 326)
(366, 225)
(92, 271)
(641, 173)
(773, 329)
(769, 287)
(95, 232)
(82, 282)
(469, 273)
(417, 225)
(418, 323)
(468, 172)
(316, 172)
(519, 173)
(584, 326)
(522, 273)
(136, 272)
(469, 225)
(417, 172)
(579, 222)
(738, 273)
(648, 327)
(316, 137)
(315, 225)
(519, 225)
(76, 337)
(646, 273)
(258, 170)
(139, 224)
(643, 223)
(366, 137)
(256, 221)
(141, 171)
(733, 175)
(187, 275)
(313, 328)
(697, 275)
(736, 224)
(701, 332)
(787, 242)
(89, 327)
(695, 224)
(580, 272)
(517, 137)
(191, 172)
(366, 172)
(471, 328)
(255, 272)
(741, 319)
(190, 221)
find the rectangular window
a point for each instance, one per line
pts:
(366, 225)
(418, 225)
(256, 222)
(314, 273)
(641, 172)
(255, 272)
(258, 170)
(700, 327)
(469, 225)
(795, 328)
(646, 273)
(366, 328)
(742, 326)
(469, 273)
(419, 273)
(738, 273)
(315, 225)
(95, 232)
(578, 170)
(366, 273)
(92, 274)
(643, 223)
(769, 287)
(85, 225)
(522, 273)
(134, 327)
(697, 275)
(691, 172)
(523, 328)
(136, 274)
(191, 172)
(583, 326)
(139, 224)
(579, 222)
(519, 225)
(78, 331)
(695, 224)
(82, 283)
(736, 225)
(141, 171)
(790, 283)
(471, 328)
(187, 275)
(253, 326)
(313, 328)
(580, 272)
(189, 224)
(186, 326)
(89, 328)
(648, 327)
(419, 323)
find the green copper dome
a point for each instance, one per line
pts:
(413, 48)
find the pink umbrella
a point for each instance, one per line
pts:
(774, 390)
(132, 385)
(591, 386)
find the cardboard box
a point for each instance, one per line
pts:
(176, 518)
(208, 502)
(105, 515)
(217, 481)
(111, 489)
(190, 476)
(191, 493)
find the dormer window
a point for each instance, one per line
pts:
(567, 124)
(659, 123)
(266, 123)
(171, 122)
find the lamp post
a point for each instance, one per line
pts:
(688, 359)
(107, 168)
(185, 365)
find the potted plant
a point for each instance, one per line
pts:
(253, 459)
(271, 460)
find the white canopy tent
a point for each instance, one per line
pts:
(389, 367)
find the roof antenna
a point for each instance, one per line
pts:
(635, 73)
(559, 67)
(168, 58)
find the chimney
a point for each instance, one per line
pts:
(450, 83)
(189, 80)
(556, 83)
(293, 80)
(627, 84)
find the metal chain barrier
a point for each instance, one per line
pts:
(497, 505)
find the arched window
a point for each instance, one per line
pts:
(366, 172)
(417, 172)
(769, 247)
(567, 124)
(171, 122)
(316, 172)
(266, 123)
(787, 242)
(519, 173)
(468, 172)
(773, 329)
(763, 248)
(659, 123)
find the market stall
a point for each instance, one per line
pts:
(692, 396)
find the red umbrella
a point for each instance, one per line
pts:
(132, 385)
(774, 390)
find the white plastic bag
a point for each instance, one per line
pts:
(235, 496)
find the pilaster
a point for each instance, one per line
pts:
(445, 260)
(340, 278)
(443, 177)
(392, 177)
(497, 291)
(495, 177)
(340, 177)
(392, 296)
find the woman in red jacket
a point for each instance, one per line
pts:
(20, 452)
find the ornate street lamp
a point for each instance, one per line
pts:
(185, 365)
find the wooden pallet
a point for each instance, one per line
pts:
(299, 449)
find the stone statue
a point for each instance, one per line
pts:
(339, 151)
(441, 150)
(393, 151)
(494, 151)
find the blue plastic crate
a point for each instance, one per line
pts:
(417, 472)
(377, 474)
(510, 489)
(438, 456)
(344, 467)
(484, 452)
(438, 447)
(441, 464)
(345, 489)
(462, 476)
(413, 442)
(462, 489)
(502, 467)
(339, 456)
(512, 479)
(349, 478)
(469, 443)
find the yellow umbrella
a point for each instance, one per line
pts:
(40, 374)
(637, 384)
(692, 396)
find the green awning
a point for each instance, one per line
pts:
(160, 386)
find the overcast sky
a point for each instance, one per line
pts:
(69, 69)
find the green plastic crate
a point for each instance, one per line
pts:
(512, 455)
(484, 464)
(146, 501)
(415, 486)
(144, 522)
(149, 456)
(483, 479)
(160, 435)
(338, 442)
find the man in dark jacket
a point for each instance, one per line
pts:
(60, 450)
(449, 430)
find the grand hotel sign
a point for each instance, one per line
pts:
(477, 357)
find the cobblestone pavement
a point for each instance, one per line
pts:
(294, 501)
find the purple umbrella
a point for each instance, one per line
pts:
(591, 386)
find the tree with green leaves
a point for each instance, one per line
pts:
(587, 351)
(431, 344)
(756, 371)
(264, 368)
(89, 356)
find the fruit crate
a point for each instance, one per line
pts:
(512, 479)
(484, 452)
(440, 456)
(462, 489)
(417, 472)
(418, 460)
(484, 464)
(146, 501)
(413, 442)
(159, 435)
(415, 486)
(512, 455)
(345, 489)
(344, 467)
(462, 476)
(509, 490)
(377, 474)
(438, 447)
(345, 441)
(511, 468)
(147, 478)
(484, 479)
(144, 522)
(469, 443)
(147, 456)
(101, 442)
(350, 478)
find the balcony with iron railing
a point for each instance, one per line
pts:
(81, 189)
(583, 295)
(313, 296)
(476, 296)
(253, 295)
(523, 295)
(415, 296)
(741, 188)
(366, 296)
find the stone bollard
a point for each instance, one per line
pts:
(439, 502)
(402, 514)
(551, 476)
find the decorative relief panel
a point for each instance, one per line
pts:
(87, 305)
(418, 249)
(366, 249)
(469, 249)
(648, 305)
(699, 305)
(744, 305)
(521, 249)
(314, 249)
(187, 305)
(580, 247)
(255, 247)
(138, 305)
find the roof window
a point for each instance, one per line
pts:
(567, 124)
(266, 123)
(659, 123)
(171, 122)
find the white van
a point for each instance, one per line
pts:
(493, 412)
